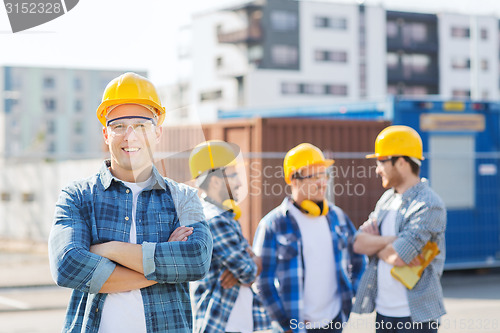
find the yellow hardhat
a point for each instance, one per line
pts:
(301, 156)
(398, 141)
(130, 88)
(211, 155)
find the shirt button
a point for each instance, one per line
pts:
(127, 191)
(126, 218)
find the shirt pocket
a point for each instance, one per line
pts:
(287, 247)
(159, 225)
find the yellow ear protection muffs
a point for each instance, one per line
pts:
(233, 207)
(314, 209)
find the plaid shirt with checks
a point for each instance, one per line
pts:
(278, 242)
(421, 217)
(213, 304)
(97, 210)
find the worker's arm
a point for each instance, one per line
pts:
(368, 239)
(124, 279)
(71, 263)
(130, 255)
(425, 221)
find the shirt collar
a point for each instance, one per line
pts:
(107, 177)
(415, 189)
(211, 210)
(285, 205)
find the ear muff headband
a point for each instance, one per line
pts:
(313, 209)
(232, 206)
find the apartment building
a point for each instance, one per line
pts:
(49, 113)
(280, 53)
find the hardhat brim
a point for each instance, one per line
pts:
(101, 110)
(327, 163)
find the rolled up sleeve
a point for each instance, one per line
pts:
(72, 264)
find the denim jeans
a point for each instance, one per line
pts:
(386, 324)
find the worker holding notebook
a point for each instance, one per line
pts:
(405, 239)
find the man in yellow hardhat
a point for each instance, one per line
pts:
(223, 300)
(408, 216)
(309, 270)
(127, 240)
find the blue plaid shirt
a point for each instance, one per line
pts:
(97, 210)
(421, 217)
(213, 304)
(278, 242)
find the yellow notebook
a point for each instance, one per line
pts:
(409, 276)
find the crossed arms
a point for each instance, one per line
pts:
(370, 242)
(117, 266)
(424, 222)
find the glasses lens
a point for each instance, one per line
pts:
(139, 126)
(315, 177)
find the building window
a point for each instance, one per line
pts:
(5, 196)
(283, 20)
(211, 95)
(219, 62)
(78, 105)
(392, 90)
(415, 90)
(51, 147)
(78, 147)
(77, 83)
(285, 55)
(392, 61)
(289, 88)
(337, 23)
(337, 89)
(28, 197)
(392, 29)
(50, 104)
(78, 127)
(415, 63)
(460, 63)
(484, 34)
(460, 32)
(330, 56)
(484, 64)
(314, 89)
(49, 82)
(51, 126)
(420, 63)
(460, 93)
(419, 32)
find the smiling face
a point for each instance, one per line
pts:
(132, 149)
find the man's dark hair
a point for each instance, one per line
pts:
(217, 173)
(415, 168)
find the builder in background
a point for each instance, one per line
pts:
(127, 240)
(223, 300)
(309, 270)
(407, 216)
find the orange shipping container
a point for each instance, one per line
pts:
(264, 142)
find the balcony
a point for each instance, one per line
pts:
(409, 75)
(251, 35)
(410, 45)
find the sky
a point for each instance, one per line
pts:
(143, 34)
